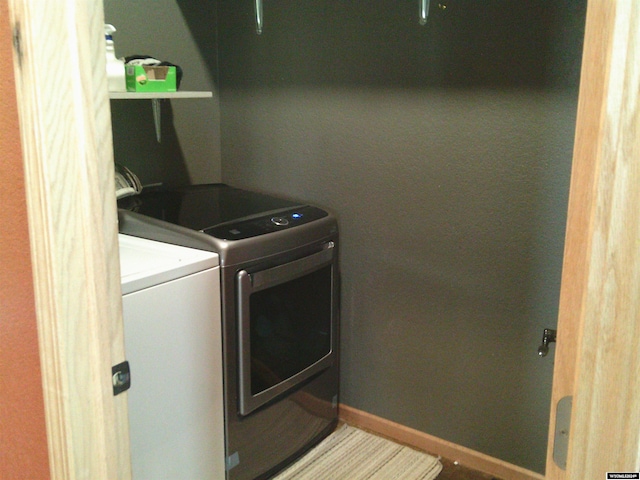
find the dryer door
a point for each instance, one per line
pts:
(286, 326)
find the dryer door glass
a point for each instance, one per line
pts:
(290, 328)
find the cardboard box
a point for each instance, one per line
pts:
(142, 78)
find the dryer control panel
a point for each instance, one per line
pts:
(264, 224)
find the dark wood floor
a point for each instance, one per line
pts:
(451, 471)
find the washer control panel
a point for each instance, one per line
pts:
(266, 224)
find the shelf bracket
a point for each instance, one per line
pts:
(157, 117)
(155, 98)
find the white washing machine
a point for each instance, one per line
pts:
(172, 327)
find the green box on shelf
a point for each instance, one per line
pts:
(141, 78)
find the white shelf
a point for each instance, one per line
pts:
(156, 95)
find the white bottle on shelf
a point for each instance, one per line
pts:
(115, 66)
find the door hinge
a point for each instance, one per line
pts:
(17, 43)
(121, 377)
(561, 436)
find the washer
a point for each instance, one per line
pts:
(173, 343)
(279, 280)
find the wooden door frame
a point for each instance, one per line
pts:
(65, 128)
(597, 360)
(66, 137)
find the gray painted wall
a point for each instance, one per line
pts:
(445, 151)
(183, 33)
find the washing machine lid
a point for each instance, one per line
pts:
(199, 207)
(145, 263)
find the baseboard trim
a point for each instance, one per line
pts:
(434, 445)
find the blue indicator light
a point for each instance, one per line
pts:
(296, 216)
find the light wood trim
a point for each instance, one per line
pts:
(434, 445)
(68, 157)
(605, 430)
(575, 270)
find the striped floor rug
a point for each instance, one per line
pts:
(352, 454)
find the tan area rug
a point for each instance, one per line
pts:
(353, 454)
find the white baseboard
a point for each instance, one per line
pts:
(434, 445)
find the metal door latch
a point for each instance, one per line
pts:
(561, 436)
(548, 336)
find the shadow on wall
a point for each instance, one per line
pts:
(445, 150)
(190, 150)
(135, 144)
(465, 44)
